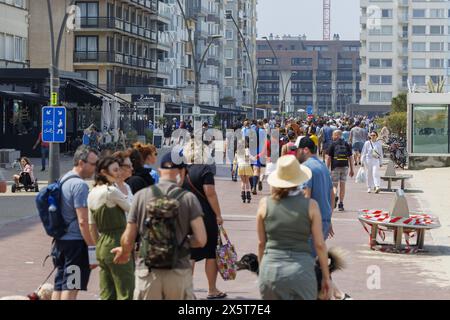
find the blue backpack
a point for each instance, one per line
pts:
(48, 203)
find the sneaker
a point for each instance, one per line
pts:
(369, 190)
(341, 206)
(336, 201)
(43, 169)
(260, 186)
(377, 190)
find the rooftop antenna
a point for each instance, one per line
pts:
(326, 19)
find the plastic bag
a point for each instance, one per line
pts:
(361, 176)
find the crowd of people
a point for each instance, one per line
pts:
(307, 180)
(112, 219)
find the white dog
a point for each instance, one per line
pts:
(44, 293)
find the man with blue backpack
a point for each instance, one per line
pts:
(63, 210)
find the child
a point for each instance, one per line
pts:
(242, 164)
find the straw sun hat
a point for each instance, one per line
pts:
(289, 173)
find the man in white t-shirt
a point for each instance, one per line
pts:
(2, 182)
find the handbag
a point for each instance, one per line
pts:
(226, 257)
(375, 153)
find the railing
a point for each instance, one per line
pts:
(164, 10)
(164, 67)
(111, 57)
(163, 38)
(119, 24)
(277, 78)
(268, 90)
(151, 4)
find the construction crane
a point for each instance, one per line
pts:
(326, 19)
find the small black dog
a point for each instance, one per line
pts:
(335, 256)
(248, 262)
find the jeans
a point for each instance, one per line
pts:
(44, 155)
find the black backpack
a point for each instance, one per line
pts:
(341, 152)
(159, 246)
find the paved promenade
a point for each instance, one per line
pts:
(24, 245)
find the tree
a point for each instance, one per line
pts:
(399, 103)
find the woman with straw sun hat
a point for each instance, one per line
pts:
(285, 222)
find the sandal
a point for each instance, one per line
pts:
(219, 295)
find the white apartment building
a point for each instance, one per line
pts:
(173, 39)
(13, 33)
(401, 41)
(237, 69)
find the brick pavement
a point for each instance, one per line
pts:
(402, 276)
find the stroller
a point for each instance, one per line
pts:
(25, 183)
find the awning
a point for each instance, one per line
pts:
(25, 96)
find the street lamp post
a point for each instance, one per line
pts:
(281, 76)
(53, 161)
(254, 83)
(197, 67)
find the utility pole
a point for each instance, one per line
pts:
(53, 158)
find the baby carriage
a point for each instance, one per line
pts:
(25, 182)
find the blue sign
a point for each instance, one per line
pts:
(309, 110)
(54, 124)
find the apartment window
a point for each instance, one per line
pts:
(90, 75)
(376, 79)
(88, 9)
(86, 43)
(2, 46)
(383, 31)
(325, 61)
(437, 46)
(228, 13)
(380, 63)
(380, 46)
(419, 46)
(419, 30)
(227, 92)
(419, 80)
(380, 96)
(229, 34)
(436, 30)
(228, 72)
(229, 53)
(436, 63)
(9, 47)
(301, 62)
(386, 13)
(419, 13)
(418, 63)
(437, 13)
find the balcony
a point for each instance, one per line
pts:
(117, 24)
(149, 4)
(164, 11)
(268, 90)
(164, 39)
(164, 68)
(403, 35)
(268, 78)
(403, 18)
(111, 57)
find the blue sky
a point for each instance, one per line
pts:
(305, 17)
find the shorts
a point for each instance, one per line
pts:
(358, 146)
(339, 174)
(71, 260)
(161, 284)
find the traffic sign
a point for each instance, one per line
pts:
(309, 110)
(54, 124)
